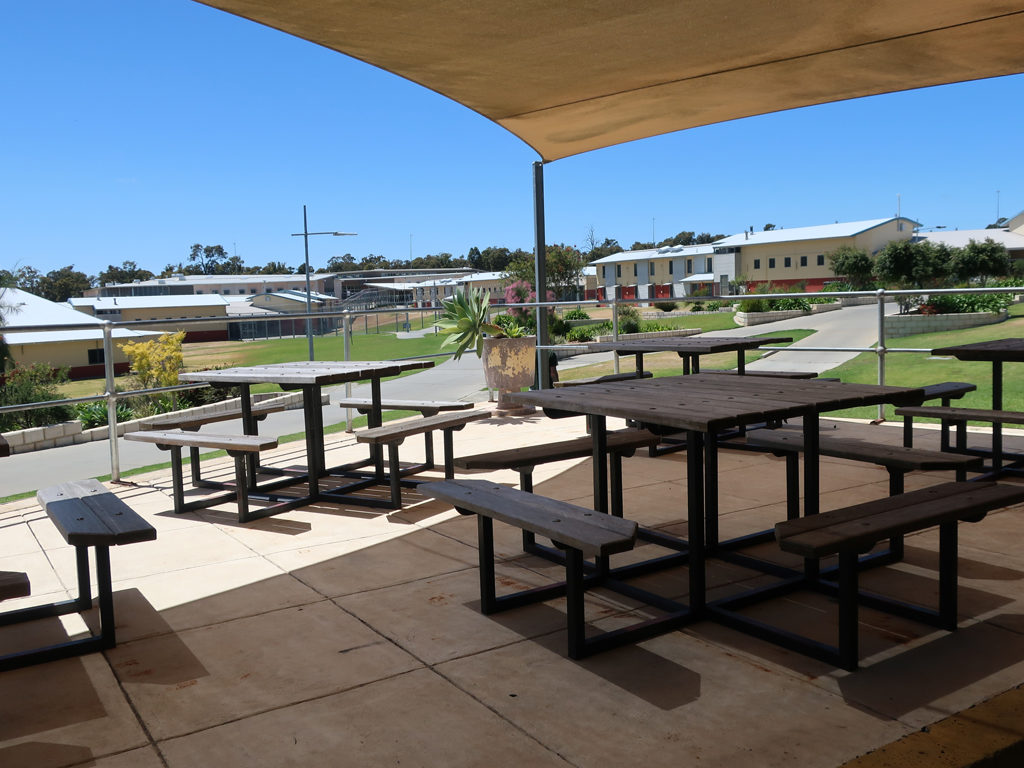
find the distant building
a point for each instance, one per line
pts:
(169, 307)
(1011, 237)
(223, 285)
(781, 256)
(81, 350)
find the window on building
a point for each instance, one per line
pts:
(689, 266)
(803, 261)
(671, 264)
(650, 268)
(252, 290)
(787, 262)
(95, 356)
(618, 270)
(771, 263)
(821, 259)
(708, 265)
(634, 270)
(757, 263)
(604, 272)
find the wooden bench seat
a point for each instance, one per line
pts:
(959, 417)
(853, 530)
(87, 515)
(193, 423)
(523, 460)
(393, 435)
(769, 374)
(606, 379)
(425, 407)
(582, 533)
(945, 392)
(238, 447)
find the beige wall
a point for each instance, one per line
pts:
(59, 354)
(871, 241)
(661, 274)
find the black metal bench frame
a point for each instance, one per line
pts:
(78, 494)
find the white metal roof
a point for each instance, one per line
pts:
(148, 302)
(665, 252)
(29, 309)
(820, 232)
(703, 277)
(958, 238)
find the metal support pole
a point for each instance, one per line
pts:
(540, 275)
(615, 332)
(309, 303)
(880, 350)
(346, 326)
(108, 372)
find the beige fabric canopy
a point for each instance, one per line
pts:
(567, 77)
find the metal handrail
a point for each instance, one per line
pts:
(111, 396)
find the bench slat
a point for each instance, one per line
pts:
(193, 422)
(769, 374)
(611, 377)
(863, 525)
(88, 514)
(895, 456)
(402, 429)
(366, 403)
(576, 448)
(962, 414)
(593, 533)
(247, 443)
(951, 389)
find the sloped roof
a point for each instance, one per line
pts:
(29, 309)
(148, 302)
(958, 238)
(569, 77)
(666, 252)
(820, 232)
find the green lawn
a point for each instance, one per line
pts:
(918, 369)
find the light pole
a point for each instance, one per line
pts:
(305, 235)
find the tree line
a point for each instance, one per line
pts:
(564, 265)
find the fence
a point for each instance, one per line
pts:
(351, 319)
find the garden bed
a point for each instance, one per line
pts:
(913, 323)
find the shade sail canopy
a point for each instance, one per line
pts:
(568, 77)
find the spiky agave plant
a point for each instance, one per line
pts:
(464, 319)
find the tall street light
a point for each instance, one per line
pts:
(305, 234)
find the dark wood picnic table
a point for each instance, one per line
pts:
(310, 377)
(690, 348)
(704, 406)
(997, 352)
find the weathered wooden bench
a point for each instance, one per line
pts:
(523, 460)
(606, 379)
(945, 392)
(394, 433)
(769, 374)
(238, 447)
(582, 533)
(364, 405)
(87, 515)
(853, 530)
(959, 417)
(192, 423)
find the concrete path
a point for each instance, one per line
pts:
(451, 380)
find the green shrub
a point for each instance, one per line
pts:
(95, 414)
(575, 314)
(753, 305)
(665, 306)
(34, 383)
(582, 333)
(629, 319)
(958, 303)
(712, 306)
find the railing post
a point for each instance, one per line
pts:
(111, 394)
(880, 349)
(346, 332)
(615, 332)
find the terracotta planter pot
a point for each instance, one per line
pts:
(510, 365)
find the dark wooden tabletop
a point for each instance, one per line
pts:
(706, 402)
(686, 345)
(998, 350)
(307, 372)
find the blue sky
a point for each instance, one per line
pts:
(133, 129)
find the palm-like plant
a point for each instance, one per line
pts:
(464, 319)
